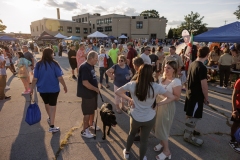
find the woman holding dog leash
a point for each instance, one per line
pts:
(143, 91)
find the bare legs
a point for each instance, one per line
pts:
(87, 121)
(25, 82)
(51, 111)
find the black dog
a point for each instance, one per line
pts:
(108, 118)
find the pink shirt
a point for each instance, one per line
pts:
(80, 57)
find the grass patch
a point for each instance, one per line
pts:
(64, 142)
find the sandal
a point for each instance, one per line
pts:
(162, 156)
(158, 147)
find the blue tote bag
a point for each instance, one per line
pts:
(33, 115)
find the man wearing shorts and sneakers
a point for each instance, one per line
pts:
(197, 95)
(235, 116)
(88, 90)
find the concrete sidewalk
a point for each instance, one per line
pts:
(19, 141)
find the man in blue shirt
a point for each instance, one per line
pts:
(88, 90)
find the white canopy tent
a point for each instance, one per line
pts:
(97, 35)
(122, 37)
(59, 35)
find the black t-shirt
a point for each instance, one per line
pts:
(86, 72)
(196, 72)
(70, 54)
(153, 58)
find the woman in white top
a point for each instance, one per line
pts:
(165, 113)
(102, 69)
(143, 91)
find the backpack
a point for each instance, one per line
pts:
(109, 62)
(105, 62)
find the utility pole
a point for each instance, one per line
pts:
(225, 22)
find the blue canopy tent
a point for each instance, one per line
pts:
(6, 38)
(112, 37)
(228, 33)
(73, 38)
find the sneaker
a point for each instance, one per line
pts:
(235, 146)
(74, 77)
(7, 97)
(25, 92)
(196, 133)
(220, 87)
(93, 126)
(7, 87)
(87, 133)
(125, 155)
(48, 121)
(137, 138)
(54, 129)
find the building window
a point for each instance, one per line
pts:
(93, 26)
(85, 30)
(60, 28)
(69, 29)
(82, 19)
(50, 28)
(90, 30)
(108, 28)
(42, 27)
(139, 25)
(100, 29)
(77, 29)
(107, 20)
(79, 20)
(37, 28)
(133, 17)
(85, 19)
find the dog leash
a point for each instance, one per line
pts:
(95, 129)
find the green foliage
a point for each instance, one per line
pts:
(237, 12)
(170, 33)
(150, 13)
(2, 27)
(194, 22)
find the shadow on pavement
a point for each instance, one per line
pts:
(30, 142)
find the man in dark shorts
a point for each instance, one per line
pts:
(197, 95)
(88, 90)
(235, 116)
(72, 60)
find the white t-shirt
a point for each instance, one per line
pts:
(146, 58)
(175, 82)
(101, 59)
(143, 111)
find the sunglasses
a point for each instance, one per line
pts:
(121, 60)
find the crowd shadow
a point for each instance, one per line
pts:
(29, 144)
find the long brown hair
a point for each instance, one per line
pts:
(144, 80)
(173, 64)
(47, 57)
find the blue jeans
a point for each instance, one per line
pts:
(102, 71)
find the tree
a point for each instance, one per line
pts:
(150, 13)
(237, 12)
(2, 27)
(170, 33)
(193, 22)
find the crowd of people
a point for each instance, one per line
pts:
(146, 86)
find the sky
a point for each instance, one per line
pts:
(17, 15)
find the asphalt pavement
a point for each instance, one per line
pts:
(19, 141)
